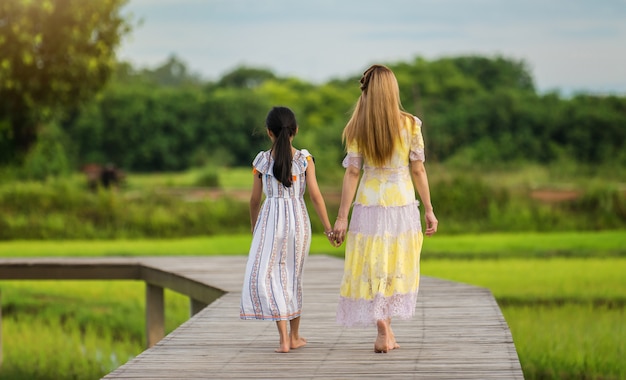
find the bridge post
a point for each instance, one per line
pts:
(0, 329)
(195, 306)
(155, 315)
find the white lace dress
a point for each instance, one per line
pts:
(272, 288)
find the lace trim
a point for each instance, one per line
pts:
(352, 159)
(417, 155)
(365, 313)
(377, 220)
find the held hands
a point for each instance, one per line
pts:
(340, 229)
(337, 235)
(332, 238)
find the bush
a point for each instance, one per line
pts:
(57, 210)
(48, 158)
(209, 177)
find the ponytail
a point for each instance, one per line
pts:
(282, 158)
(281, 121)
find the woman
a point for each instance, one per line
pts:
(384, 239)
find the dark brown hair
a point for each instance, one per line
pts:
(281, 121)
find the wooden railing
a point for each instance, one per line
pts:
(156, 279)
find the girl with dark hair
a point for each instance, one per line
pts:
(281, 228)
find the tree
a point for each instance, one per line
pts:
(173, 73)
(496, 72)
(54, 55)
(246, 77)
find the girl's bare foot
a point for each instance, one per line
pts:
(284, 337)
(297, 342)
(284, 348)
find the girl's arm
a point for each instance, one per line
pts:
(255, 199)
(316, 197)
(420, 181)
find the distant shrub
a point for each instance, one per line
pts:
(208, 177)
(48, 157)
(52, 210)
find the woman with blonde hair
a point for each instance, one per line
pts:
(384, 237)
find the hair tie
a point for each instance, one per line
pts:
(367, 75)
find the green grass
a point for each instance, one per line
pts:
(494, 245)
(525, 245)
(210, 245)
(562, 294)
(76, 329)
(570, 341)
(229, 178)
(556, 280)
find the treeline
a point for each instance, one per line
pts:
(476, 111)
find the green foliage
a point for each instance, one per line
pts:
(152, 128)
(49, 157)
(467, 203)
(246, 77)
(569, 342)
(54, 55)
(208, 177)
(208, 201)
(58, 210)
(76, 329)
(476, 110)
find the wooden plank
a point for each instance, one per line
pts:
(69, 269)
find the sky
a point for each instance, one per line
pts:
(569, 45)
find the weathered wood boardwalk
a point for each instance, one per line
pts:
(458, 333)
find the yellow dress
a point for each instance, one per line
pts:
(384, 239)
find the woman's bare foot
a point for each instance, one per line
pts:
(393, 344)
(392, 340)
(297, 342)
(381, 345)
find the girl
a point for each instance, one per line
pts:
(281, 228)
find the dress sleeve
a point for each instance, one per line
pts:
(302, 164)
(353, 157)
(417, 142)
(261, 163)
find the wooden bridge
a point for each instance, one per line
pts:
(458, 331)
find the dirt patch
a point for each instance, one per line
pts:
(555, 196)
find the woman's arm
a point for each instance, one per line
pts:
(348, 190)
(420, 181)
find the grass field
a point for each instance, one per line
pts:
(563, 295)
(495, 245)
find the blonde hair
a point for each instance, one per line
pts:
(377, 117)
